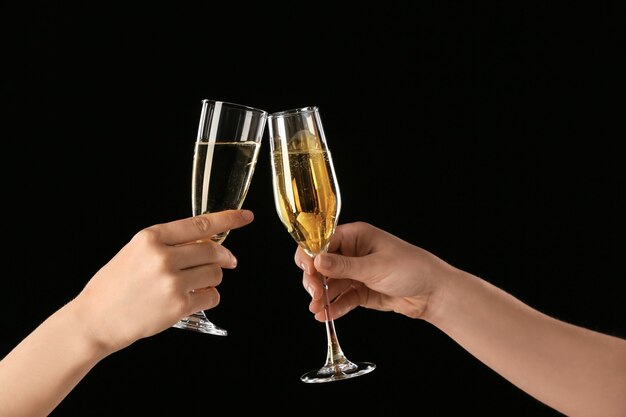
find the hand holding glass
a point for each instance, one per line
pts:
(225, 155)
(308, 203)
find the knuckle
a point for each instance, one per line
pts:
(210, 298)
(217, 274)
(180, 303)
(203, 223)
(216, 297)
(148, 235)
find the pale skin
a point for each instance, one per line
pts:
(164, 273)
(576, 371)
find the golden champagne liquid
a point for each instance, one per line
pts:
(221, 176)
(306, 192)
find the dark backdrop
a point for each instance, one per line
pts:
(487, 134)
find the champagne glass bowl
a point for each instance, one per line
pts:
(225, 155)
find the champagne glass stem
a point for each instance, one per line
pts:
(336, 361)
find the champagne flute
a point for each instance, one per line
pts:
(225, 155)
(308, 202)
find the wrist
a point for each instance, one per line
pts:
(452, 286)
(83, 331)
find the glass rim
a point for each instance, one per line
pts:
(294, 111)
(236, 106)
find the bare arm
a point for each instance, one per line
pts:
(577, 371)
(574, 370)
(157, 278)
(39, 372)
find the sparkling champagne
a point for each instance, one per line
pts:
(222, 173)
(307, 196)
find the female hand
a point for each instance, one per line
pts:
(369, 267)
(164, 273)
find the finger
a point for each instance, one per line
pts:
(339, 266)
(336, 239)
(203, 299)
(312, 285)
(345, 239)
(197, 254)
(337, 287)
(200, 227)
(201, 277)
(342, 305)
(345, 302)
(304, 261)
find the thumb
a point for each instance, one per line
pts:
(339, 266)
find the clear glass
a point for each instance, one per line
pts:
(225, 155)
(308, 202)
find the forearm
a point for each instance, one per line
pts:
(39, 372)
(574, 370)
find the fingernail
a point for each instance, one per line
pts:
(303, 267)
(233, 261)
(310, 290)
(247, 215)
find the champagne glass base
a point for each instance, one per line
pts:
(199, 323)
(337, 373)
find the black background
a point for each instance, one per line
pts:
(487, 134)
